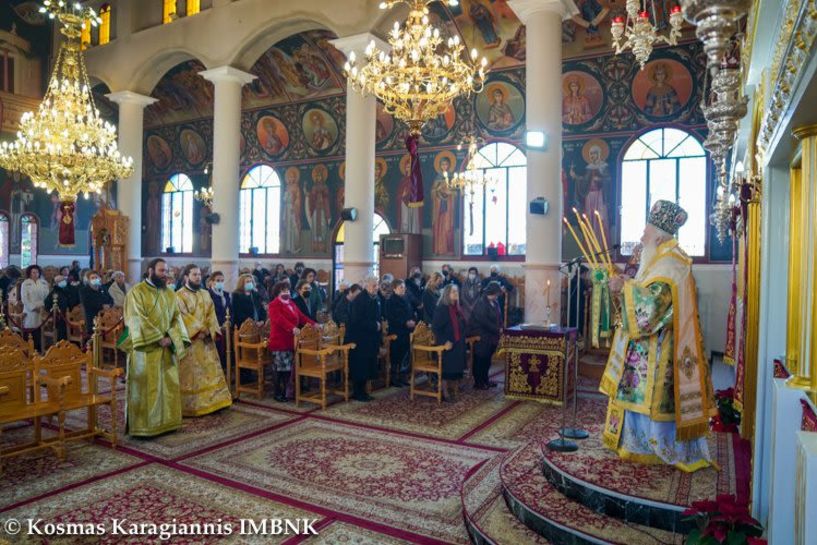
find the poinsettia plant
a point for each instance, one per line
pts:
(723, 521)
(728, 417)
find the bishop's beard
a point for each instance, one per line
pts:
(647, 255)
(160, 283)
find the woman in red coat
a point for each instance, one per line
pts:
(285, 322)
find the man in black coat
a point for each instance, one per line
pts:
(414, 291)
(342, 310)
(504, 284)
(296, 276)
(400, 316)
(94, 299)
(486, 321)
(364, 330)
(60, 290)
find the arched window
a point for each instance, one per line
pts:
(105, 25)
(169, 11)
(667, 164)
(496, 214)
(29, 231)
(380, 227)
(260, 211)
(177, 215)
(4, 240)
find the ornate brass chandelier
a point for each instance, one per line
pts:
(637, 32)
(66, 147)
(420, 76)
(471, 178)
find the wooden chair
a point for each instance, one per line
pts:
(11, 341)
(320, 352)
(469, 345)
(16, 373)
(250, 342)
(383, 358)
(111, 327)
(75, 324)
(48, 330)
(66, 360)
(16, 316)
(426, 357)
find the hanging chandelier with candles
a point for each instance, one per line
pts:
(636, 31)
(471, 178)
(419, 77)
(65, 146)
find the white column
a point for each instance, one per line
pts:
(805, 502)
(361, 114)
(543, 110)
(226, 166)
(129, 190)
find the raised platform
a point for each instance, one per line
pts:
(532, 495)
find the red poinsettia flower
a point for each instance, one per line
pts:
(756, 541)
(718, 531)
(728, 393)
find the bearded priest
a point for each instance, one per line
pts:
(155, 339)
(201, 378)
(657, 377)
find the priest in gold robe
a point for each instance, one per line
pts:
(203, 387)
(155, 341)
(657, 377)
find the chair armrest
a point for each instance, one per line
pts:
(345, 347)
(61, 382)
(434, 349)
(253, 346)
(105, 373)
(309, 352)
(4, 390)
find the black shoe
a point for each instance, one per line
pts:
(280, 399)
(396, 384)
(480, 386)
(362, 397)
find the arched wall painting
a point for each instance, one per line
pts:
(192, 145)
(273, 136)
(320, 129)
(582, 97)
(662, 89)
(500, 107)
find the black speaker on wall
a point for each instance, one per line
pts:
(348, 214)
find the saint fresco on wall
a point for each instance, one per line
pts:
(582, 97)
(409, 218)
(592, 186)
(182, 95)
(500, 107)
(663, 88)
(159, 152)
(192, 145)
(320, 129)
(444, 202)
(318, 209)
(272, 135)
(381, 194)
(384, 124)
(436, 129)
(293, 205)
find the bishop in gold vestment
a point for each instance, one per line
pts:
(203, 387)
(156, 341)
(657, 377)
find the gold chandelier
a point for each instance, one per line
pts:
(472, 177)
(420, 76)
(66, 147)
(636, 31)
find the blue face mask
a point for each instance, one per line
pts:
(220, 286)
(249, 286)
(62, 283)
(96, 282)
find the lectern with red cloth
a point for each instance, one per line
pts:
(536, 360)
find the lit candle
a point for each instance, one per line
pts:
(547, 292)
(579, 243)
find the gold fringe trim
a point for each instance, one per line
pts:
(607, 386)
(415, 204)
(691, 432)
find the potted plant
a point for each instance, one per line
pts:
(723, 521)
(728, 417)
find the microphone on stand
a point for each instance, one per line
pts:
(581, 258)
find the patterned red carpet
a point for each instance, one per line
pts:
(387, 472)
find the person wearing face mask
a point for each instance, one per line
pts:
(316, 294)
(118, 289)
(296, 276)
(61, 291)
(431, 296)
(469, 292)
(400, 317)
(303, 294)
(286, 319)
(155, 341)
(486, 323)
(201, 381)
(221, 302)
(504, 284)
(247, 304)
(364, 331)
(94, 299)
(449, 277)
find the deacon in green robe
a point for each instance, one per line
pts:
(156, 342)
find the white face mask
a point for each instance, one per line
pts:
(472, 276)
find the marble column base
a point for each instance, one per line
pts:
(536, 277)
(230, 269)
(357, 271)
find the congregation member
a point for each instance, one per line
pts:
(60, 290)
(295, 277)
(280, 274)
(316, 297)
(247, 304)
(94, 299)
(400, 318)
(118, 289)
(286, 321)
(431, 296)
(342, 310)
(414, 291)
(449, 277)
(385, 291)
(470, 292)
(504, 283)
(341, 290)
(156, 341)
(221, 298)
(10, 276)
(202, 385)
(303, 294)
(651, 420)
(448, 327)
(260, 273)
(485, 322)
(363, 329)
(33, 295)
